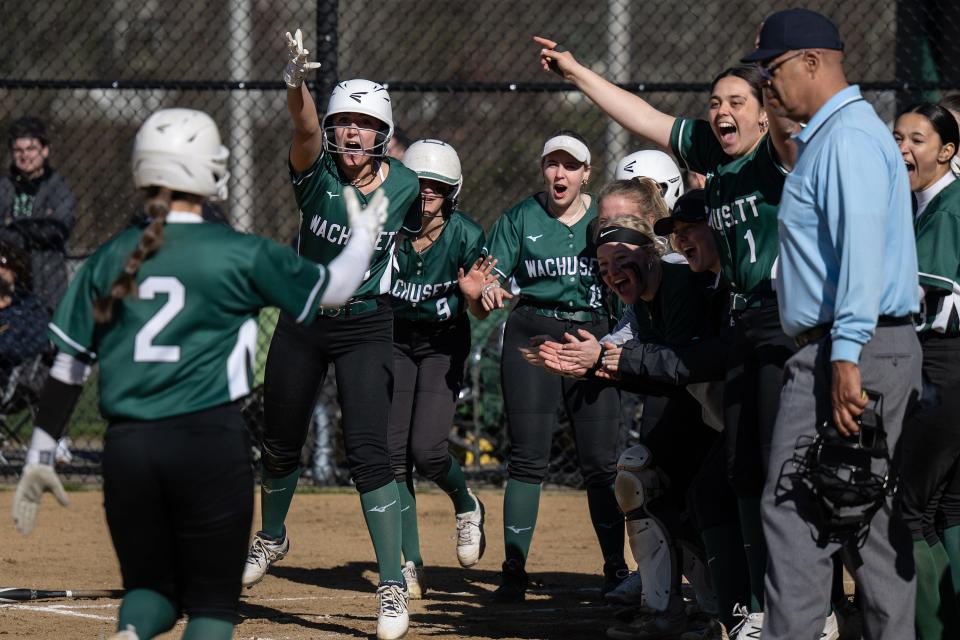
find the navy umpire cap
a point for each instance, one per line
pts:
(690, 207)
(794, 29)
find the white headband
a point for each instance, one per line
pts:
(569, 144)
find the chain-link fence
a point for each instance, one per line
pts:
(466, 73)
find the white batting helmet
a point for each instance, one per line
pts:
(655, 165)
(436, 160)
(359, 96)
(180, 149)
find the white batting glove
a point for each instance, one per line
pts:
(38, 477)
(367, 220)
(297, 64)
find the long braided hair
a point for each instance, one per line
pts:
(156, 207)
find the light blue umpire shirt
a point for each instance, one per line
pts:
(847, 249)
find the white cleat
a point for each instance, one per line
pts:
(628, 592)
(393, 619)
(831, 630)
(413, 575)
(127, 634)
(750, 627)
(263, 553)
(471, 541)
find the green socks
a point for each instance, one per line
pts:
(408, 519)
(455, 486)
(755, 548)
(149, 612)
(521, 501)
(207, 629)
(731, 578)
(276, 493)
(381, 510)
(607, 521)
(951, 542)
(929, 624)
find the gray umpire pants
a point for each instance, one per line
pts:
(799, 570)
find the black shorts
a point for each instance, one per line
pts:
(178, 494)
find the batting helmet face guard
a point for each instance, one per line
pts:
(850, 476)
(655, 165)
(180, 149)
(436, 160)
(359, 96)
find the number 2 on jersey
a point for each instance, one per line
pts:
(748, 236)
(143, 348)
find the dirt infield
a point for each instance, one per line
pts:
(325, 587)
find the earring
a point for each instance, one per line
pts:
(583, 184)
(763, 125)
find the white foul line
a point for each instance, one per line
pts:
(62, 612)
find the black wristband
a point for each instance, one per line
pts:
(592, 371)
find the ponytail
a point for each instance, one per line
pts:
(157, 206)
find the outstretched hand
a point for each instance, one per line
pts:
(473, 281)
(298, 64)
(37, 479)
(369, 218)
(555, 58)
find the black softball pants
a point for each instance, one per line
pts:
(930, 446)
(361, 349)
(428, 361)
(751, 395)
(178, 495)
(533, 395)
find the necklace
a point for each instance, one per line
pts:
(576, 216)
(424, 241)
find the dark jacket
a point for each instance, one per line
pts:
(23, 330)
(38, 217)
(701, 359)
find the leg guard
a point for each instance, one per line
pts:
(636, 485)
(698, 575)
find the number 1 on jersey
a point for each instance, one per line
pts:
(748, 236)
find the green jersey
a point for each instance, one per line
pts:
(425, 284)
(187, 341)
(938, 257)
(742, 197)
(550, 264)
(324, 228)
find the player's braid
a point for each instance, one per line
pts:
(156, 207)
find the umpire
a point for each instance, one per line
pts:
(847, 292)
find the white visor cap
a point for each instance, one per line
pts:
(569, 144)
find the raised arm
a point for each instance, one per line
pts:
(631, 111)
(307, 133)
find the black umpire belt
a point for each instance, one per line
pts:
(561, 314)
(352, 308)
(812, 335)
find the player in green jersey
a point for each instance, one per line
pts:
(170, 312)
(431, 340)
(546, 257)
(745, 152)
(930, 479)
(345, 152)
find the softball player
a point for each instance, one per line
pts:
(930, 482)
(542, 246)
(170, 312)
(345, 152)
(431, 340)
(746, 167)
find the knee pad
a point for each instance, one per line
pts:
(278, 464)
(656, 560)
(638, 481)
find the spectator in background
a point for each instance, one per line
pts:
(398, 144)
(37, 208)
(23, 317)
